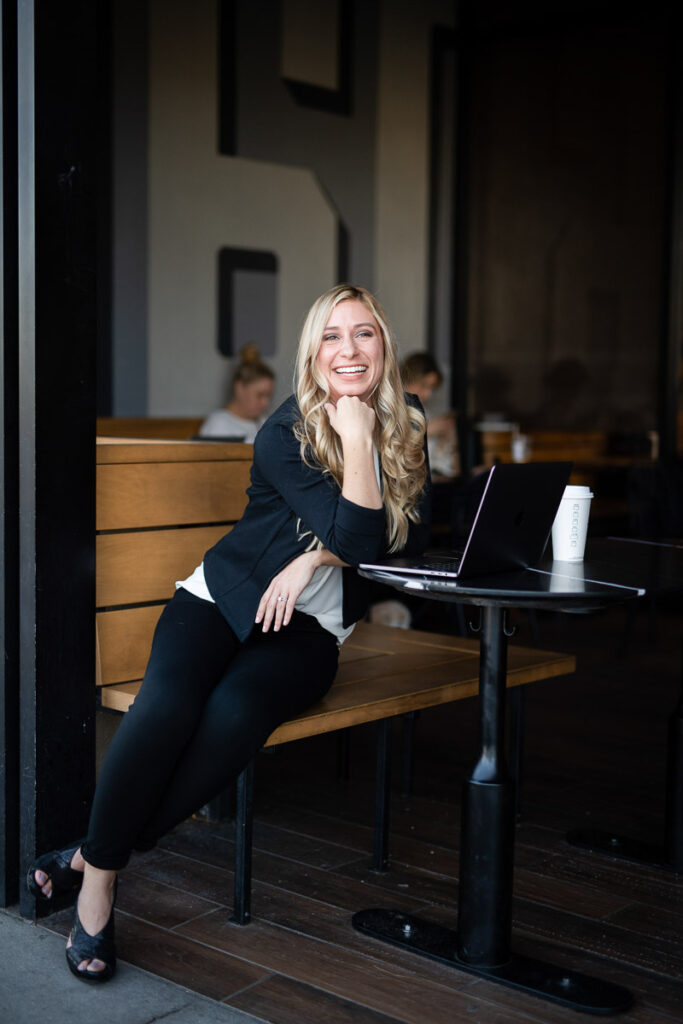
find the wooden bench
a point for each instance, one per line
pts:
(166, 428)
(159, 507)
(582, 447)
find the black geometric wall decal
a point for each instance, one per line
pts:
(333, 101)
(343, 251)
(247, 280)
(227, 78)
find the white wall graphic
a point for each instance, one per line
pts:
(200, 201)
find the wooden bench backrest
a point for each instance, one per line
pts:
(160, 506)
(169, 428)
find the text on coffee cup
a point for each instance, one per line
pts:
(574, 531)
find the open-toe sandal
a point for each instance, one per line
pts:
(57, 866)
(92, 947)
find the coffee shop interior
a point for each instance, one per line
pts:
(183, 179)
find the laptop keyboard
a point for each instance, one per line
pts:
(442, 563)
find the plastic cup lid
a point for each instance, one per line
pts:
(577, 491)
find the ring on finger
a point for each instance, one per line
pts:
(282, 597)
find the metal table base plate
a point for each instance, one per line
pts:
(578, 991)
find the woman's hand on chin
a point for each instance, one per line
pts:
(351, 418)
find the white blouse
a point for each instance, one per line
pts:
(222, 423)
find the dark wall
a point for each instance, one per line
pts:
(570, 132)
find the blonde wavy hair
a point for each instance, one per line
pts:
(399, 428)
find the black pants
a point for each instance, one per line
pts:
(206, 705)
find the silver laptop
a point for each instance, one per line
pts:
(510, 529)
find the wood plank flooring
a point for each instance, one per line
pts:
(594, 756)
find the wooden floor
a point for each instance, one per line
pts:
(595, 746)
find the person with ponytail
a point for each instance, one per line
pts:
(251, 392)
(340, 476)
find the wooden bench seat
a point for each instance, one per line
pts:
(385, 672)
(159, 507)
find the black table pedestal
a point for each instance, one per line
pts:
(488, 814)
(482, 942)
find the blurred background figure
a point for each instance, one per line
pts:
(422, 377)
(251, 392)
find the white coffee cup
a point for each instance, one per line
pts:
(567, 578)
(571, 524)
(521, 447)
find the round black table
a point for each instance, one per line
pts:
(482, 942)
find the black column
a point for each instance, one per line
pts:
(61, 114)
(670, 349)
(461, 234)
(9, 544)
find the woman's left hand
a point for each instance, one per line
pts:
(277, 604)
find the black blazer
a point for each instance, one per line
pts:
(288, 503)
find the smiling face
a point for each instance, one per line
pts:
(351, 354)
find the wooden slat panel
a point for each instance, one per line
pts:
(137, 567)
(418, 665)
(170, 494)
(173, 428)
(387, 638)
(121, 450)
(349, 654)
(124, 642)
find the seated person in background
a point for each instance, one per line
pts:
(422, 377)
(251, 392)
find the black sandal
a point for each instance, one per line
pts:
(57, 866)
(92, 947)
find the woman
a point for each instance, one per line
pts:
(251, 638)
(251, 392)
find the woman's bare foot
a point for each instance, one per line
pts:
(95, 901)
(44, 882)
